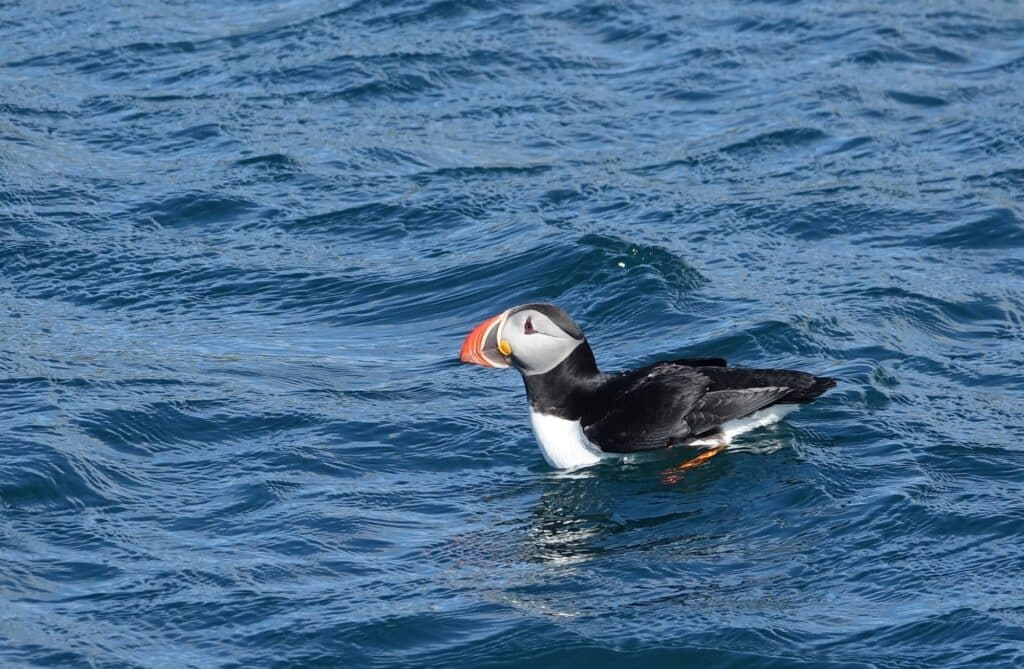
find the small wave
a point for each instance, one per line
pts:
(998, 229)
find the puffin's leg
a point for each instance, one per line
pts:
(673, 475)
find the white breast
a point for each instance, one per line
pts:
(563, 443)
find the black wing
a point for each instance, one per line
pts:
(650, 412)
(803, 387)
(716, 408)
(737, 392)
(700, 362)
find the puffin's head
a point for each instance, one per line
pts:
(533, 338)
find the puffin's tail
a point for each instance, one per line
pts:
(809, 393)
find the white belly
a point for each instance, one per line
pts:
(562, 442)
(564, 445)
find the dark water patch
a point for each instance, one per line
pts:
(483, 172)
(1011, 180)
(446, 11)
(373, 221)
(937, 54)
(916, 99)
(772, 25)
(1011, 65)
(195, 209)
(690, 95)
(826, 218)
(849, 144)
(394, 157)
(271, 162)
(999, 229)
(153, 428)
(45, 479)
(876, 56)
(775, 140)
(905, 51)
(397, 88)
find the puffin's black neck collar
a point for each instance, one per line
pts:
(563, 391)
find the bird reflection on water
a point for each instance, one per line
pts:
(593, 512)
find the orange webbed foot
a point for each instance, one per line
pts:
(675, 474)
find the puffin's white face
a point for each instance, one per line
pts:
(533, 338)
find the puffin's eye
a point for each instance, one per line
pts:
(528, 327)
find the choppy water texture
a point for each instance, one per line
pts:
(242, 242)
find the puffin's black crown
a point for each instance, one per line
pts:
(557, 316)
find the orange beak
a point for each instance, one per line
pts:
(481, 345)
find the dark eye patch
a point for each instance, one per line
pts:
(528, 327)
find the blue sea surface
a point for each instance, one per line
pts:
(241, 244)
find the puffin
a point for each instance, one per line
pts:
(581, 415)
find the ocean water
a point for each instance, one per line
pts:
(241, 243)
